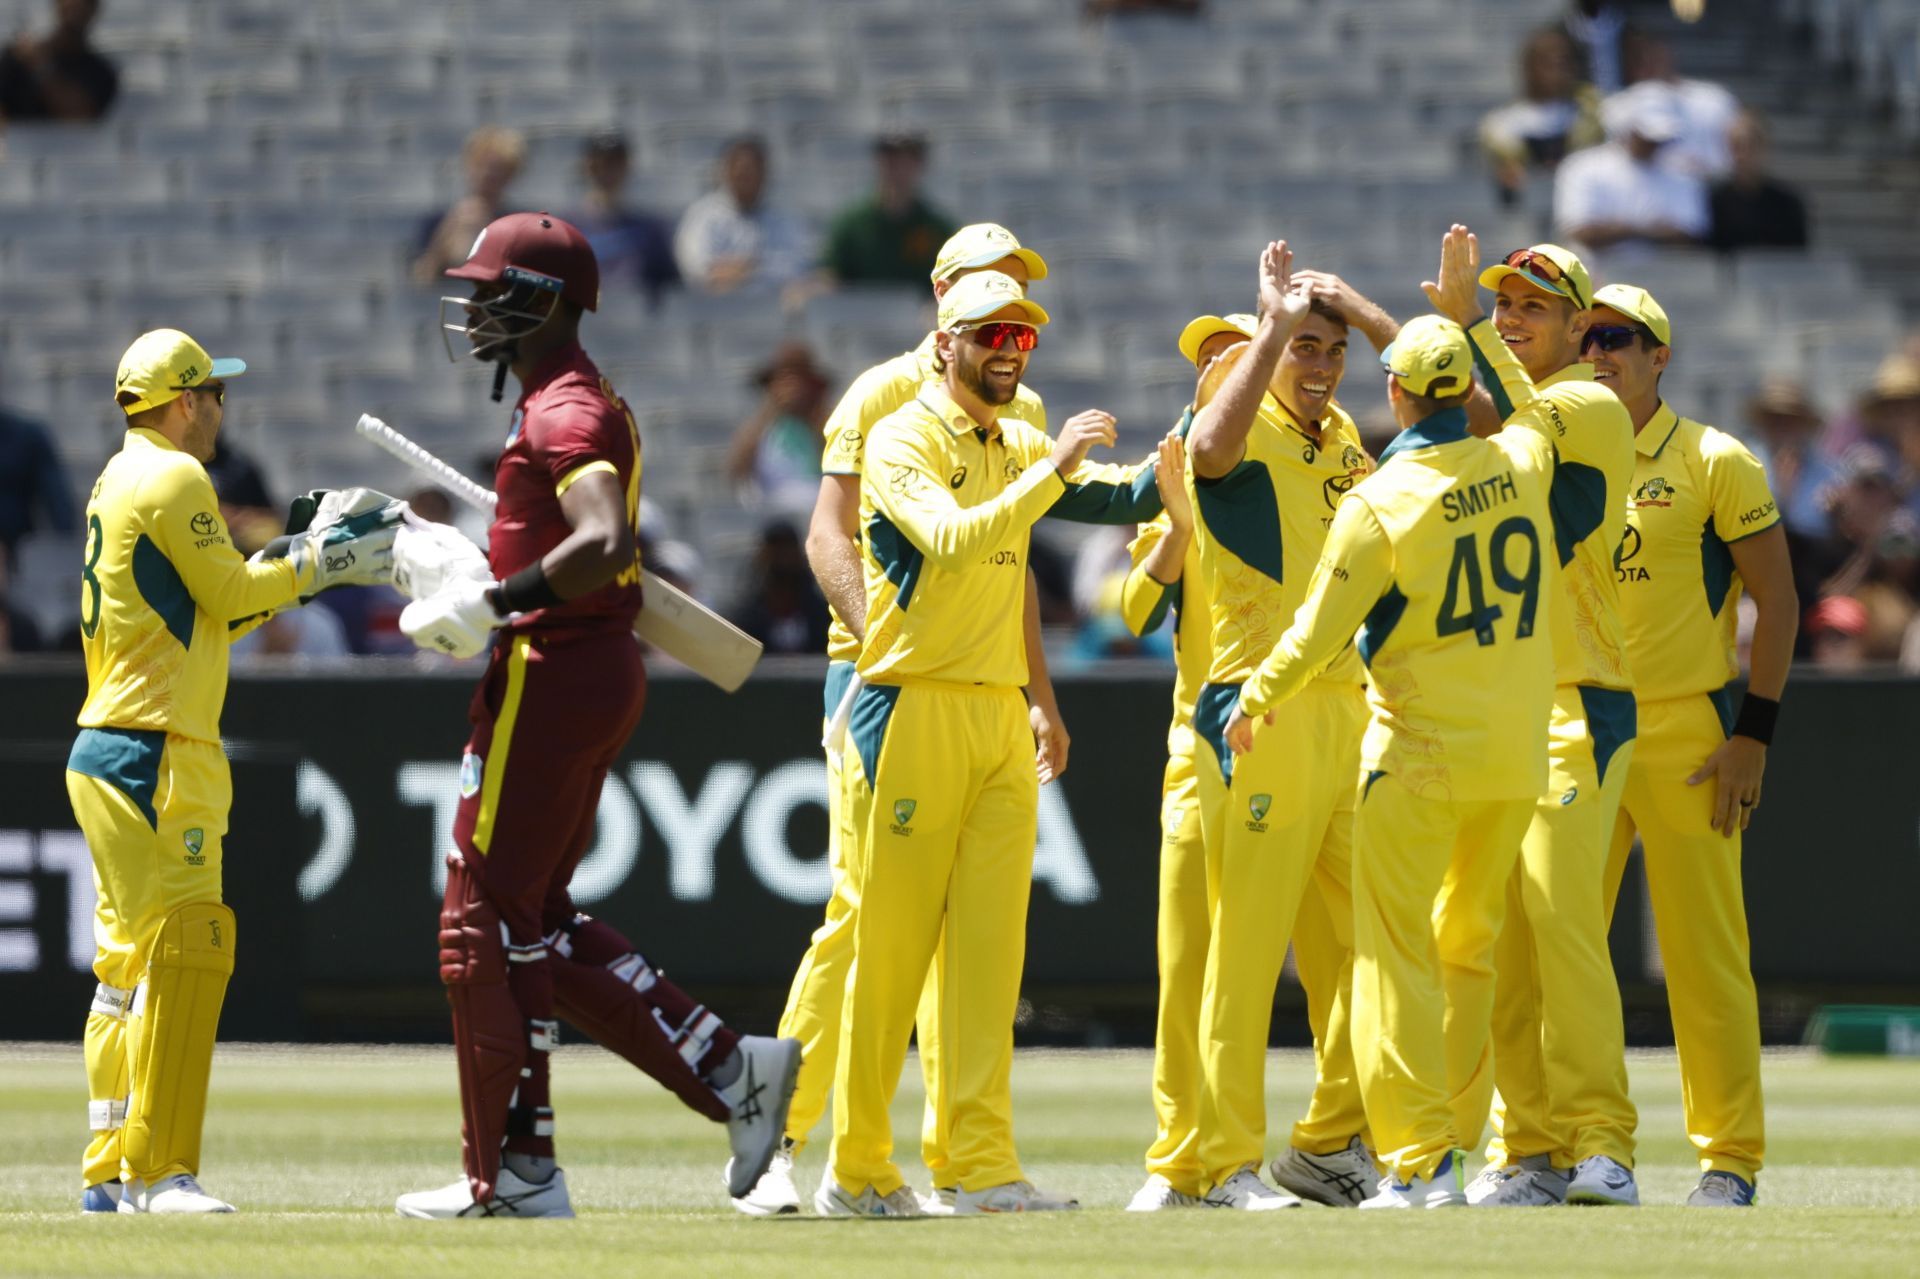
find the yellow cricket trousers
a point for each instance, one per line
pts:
(1558, 1043)
(153, 808)
(1700, 916)
(1274, 821)
(942, 790)
(1182, 945)
(1429, 894)
(820, 983)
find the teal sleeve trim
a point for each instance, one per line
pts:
(1102, 503)
(1577, 498)
(127, 759)
(899, 559)
(1169, 600)
(1716, 569)
(1612, 721)
(1490, 379)
(1242, 511)
(162, 587)
(872, 708)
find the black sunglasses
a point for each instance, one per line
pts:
(1612, 337)
(218, 390)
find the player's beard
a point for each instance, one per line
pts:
(973, 376)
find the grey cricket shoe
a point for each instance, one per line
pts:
(1339, 1180)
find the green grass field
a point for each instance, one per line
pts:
(313, 1144)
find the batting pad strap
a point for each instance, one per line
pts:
(543, 1036)
(634, 971)
(531, 953)
(695, 1035)
(105, 1116)
(530, 1121)
(111, 1001)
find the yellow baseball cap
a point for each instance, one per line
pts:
(983, 244)
(1638, 305)
(1431, 357)
(1199, 330)
(1547, 267)
(161, 364)
(984, 292)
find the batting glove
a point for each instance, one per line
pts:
(456, 621)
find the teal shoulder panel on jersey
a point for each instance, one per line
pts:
(1243, 513)
(161, 586)
(897, 556)
(1577, 499)
(1716, 569)
(1381, 619)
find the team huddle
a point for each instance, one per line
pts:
(1423, 705)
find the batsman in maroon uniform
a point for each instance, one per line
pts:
(563, 690)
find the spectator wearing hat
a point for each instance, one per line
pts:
(774, 456)
(59, 76)
(1618, 195)
(634, 247)
(1750, 209)
(1556, 113)
(893, 235)
(732, 238)
(1787, 427)
(492, 158)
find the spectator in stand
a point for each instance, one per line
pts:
(1598, 28)
(774, 456)
(1555, 114)
(491, 158)
(1704, 111)
(1617, 196)
(732, 240)
(59, 76)
(782, 607)
(1787, 428)
(18, 633)
(634, 247)
(1836, 630)
(893, 235)
(34, 492)
(1751, 209)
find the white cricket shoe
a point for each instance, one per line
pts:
(1339, 1180)
(758, 1100)
(1601, 1180)
(1440, 1190)
(512, 1197)
(178, 1193)
(1158, 1194)
(831, 1200)
(774, 1195)
(1246, 1192)
(941, 1202)
(1014, 1196)
(1722, 1190)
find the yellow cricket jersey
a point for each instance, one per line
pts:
(946, 508)
(1144, 603)
(162, 592)
(1260, 529)
(1696, 490)
(883, 389)
(1440, 561)
(1592, 434)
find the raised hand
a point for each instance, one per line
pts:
(1170, 477)
(1456, 294)
(1082, 431)
(1281, 295)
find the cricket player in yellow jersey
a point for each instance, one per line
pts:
(813, 1002)
(1566, 1129)
(1701, 526)
(1436, 571)
(162, 593)
(938, 754)
(1167, 574)
(1271, 455)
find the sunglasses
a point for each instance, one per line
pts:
(1612, 337)
(1546, 270)
(995, 335)
(218, 390)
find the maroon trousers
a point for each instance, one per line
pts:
(549, 718)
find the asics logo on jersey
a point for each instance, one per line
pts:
(958, 478)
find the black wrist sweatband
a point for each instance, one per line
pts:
(524, 592)
(1757, 716)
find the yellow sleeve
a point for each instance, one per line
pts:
(1144, 600)
(1355, 570)
(182, 516)
(907, 486)
(1737, 486)
(873, 395)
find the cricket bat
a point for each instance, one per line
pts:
(671, 620)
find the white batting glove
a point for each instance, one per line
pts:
(427, 558)
(456, 621)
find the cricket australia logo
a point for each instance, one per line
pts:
(194, 838)
(1654, 492)
(470, 766)
(903, 814)
(1257, 808)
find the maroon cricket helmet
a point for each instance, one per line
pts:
(538, 250)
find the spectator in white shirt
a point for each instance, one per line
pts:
(1556, 113)
(1705, 111)
(732, 240)
(1618, 195)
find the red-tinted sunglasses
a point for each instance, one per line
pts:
(1547, 271)
(994, 336)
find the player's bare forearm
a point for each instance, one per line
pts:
(1765, 567)
(831, 551)
(1218, 438)
(1049, 728)
(601, 545)
(1167, 560)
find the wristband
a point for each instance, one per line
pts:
(1756, 720)
(524, 592)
